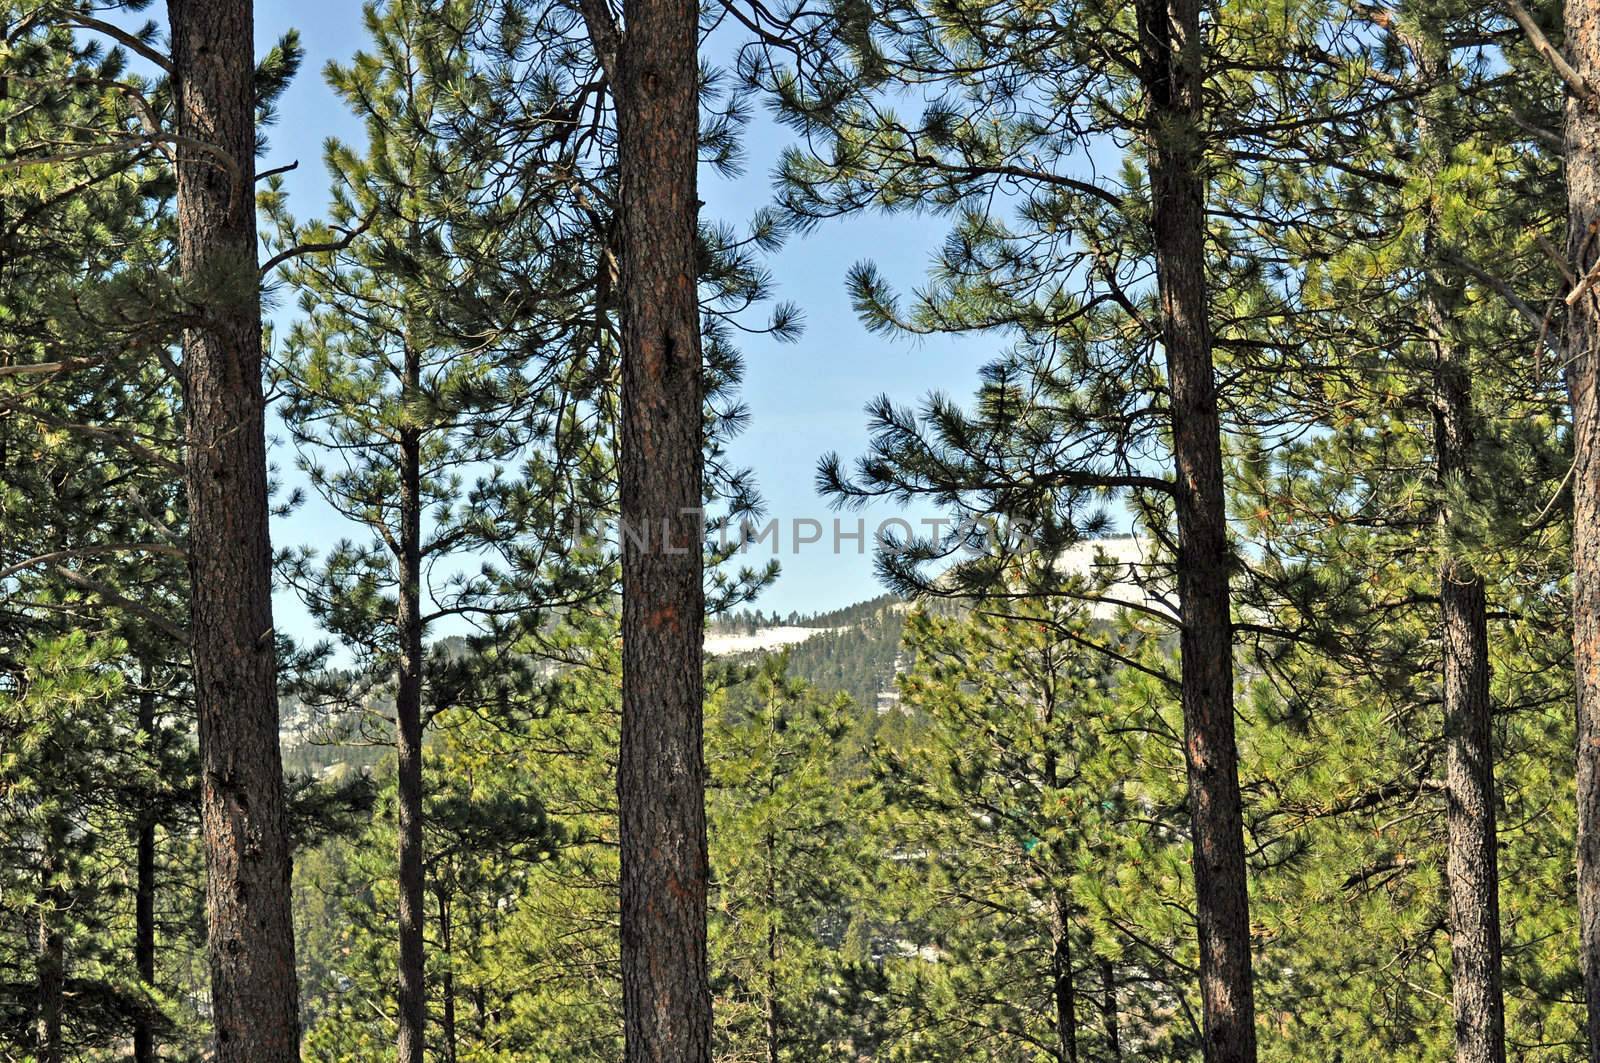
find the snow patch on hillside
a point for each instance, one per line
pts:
(763, 641)
(1126, 563)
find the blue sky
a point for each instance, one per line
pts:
(805, 398)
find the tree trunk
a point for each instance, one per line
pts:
(1061, 976)
(1172, 72)
(661, 767)
(1582, 46)
(50, 958)
(772, 944)
(447, 980)
(144, 902)
(408, 741)
(251, 937)
(1061, 985)
(480, 998)
(1474, 887)
(1475, 977)
(1108, 1010)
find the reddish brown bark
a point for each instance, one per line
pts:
(251, 937)
(653, 70)
(1172, 73)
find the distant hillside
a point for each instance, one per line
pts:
(857, 649)
(853, 650)
(749, 621)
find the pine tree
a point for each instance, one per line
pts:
(650, 62)
(784, 856)
(487, 838)
(395, 390)
(249, 927)
(1411, 334)
(1104, 277)
(1011, 843)
(92, 522)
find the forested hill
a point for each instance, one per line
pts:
(852, 650)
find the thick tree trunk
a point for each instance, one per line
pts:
(144, 893)
(1108, 1010)
(661, 769)
(1475, 977)
(1582, 46)
(1172, 74)
(253, 993)
(50, 957)
(411, 1038)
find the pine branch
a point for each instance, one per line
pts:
(348, 237)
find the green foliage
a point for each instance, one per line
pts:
(95, 744)
(949, 829)
(784, 811)
(404, 364)
(1025, 868)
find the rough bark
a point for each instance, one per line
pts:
(661, 769)
(251, 937)
(1475, 977)
(1582, 24)
(1172, 73)
(411, 1037)
(144, 893)
(447, 979)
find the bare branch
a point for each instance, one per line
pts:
(605, 35)
(90, 551)
(113, 598)
(276, 170)
(1552, 55)
(41, 368)
(297, 250)
(1506, 292)
(122, 37)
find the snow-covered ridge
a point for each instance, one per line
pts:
(766, 639)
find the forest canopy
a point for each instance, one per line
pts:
(391, 660)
